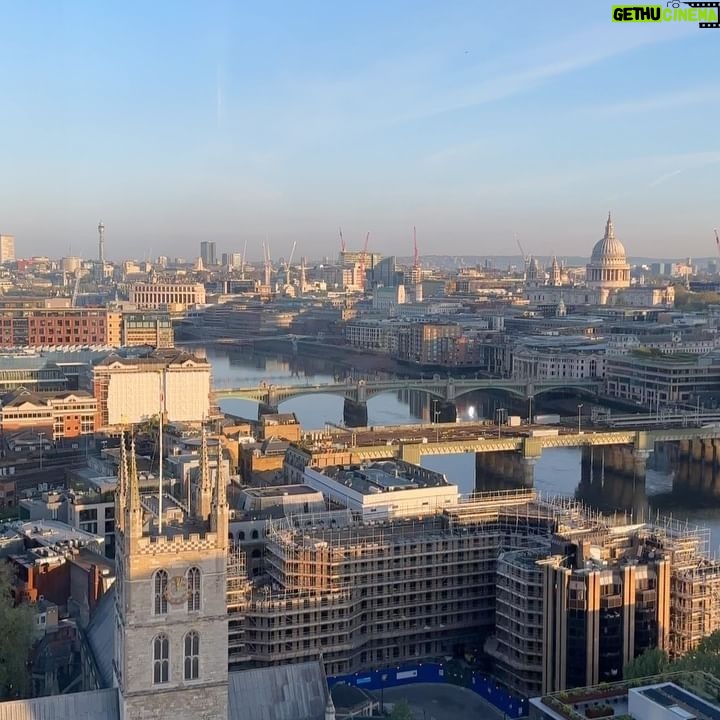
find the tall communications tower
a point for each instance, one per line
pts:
(101, 233)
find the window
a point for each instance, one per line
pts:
(193, 589)
(161, 659)
(192, 656)
(160, 588)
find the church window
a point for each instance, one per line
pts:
(255, 535)
(193, 589)
(160, 592)
(192, 656)
(161, 659)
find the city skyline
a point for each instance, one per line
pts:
(469, 121)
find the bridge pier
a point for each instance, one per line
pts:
(265, 409)
(528, 471)
(640, 458)
(355, 414)
(696, 450)
(446, 412)
(708, 451)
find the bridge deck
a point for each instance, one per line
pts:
(415, 447)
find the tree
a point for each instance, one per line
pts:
(401, 711)
(16, 631)
(650, 662)
(705, 658)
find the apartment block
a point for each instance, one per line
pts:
(368, 595)
(37, 327)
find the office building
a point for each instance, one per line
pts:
(167, 295)
(7, 249)
(208, 253)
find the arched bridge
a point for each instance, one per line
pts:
(445, 389)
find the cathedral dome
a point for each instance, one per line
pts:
(609, 250)
(608, 268)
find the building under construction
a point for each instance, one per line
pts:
(365, 595)
(558, 595)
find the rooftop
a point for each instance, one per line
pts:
(687, 695)
(50, 533)
(388, 476)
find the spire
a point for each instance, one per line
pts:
(609, 229)
(133, 516)
(134, 487)
(204, 484)
(121, 487)
(219, 513)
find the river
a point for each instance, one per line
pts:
(690, 494)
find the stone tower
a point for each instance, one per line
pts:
(555, 273)
(171, 627)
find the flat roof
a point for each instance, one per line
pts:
(385, 476)
(279, 491)
(53, 532)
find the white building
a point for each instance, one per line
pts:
(167, 295)
(132, 390)
(384, 490)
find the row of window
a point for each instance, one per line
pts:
(161, 657)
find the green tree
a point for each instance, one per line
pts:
(705, 657)
(651, 662)
(16, 633)
(401, 711)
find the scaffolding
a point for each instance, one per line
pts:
(365, 595)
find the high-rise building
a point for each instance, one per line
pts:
(208, 253)
(7, 248)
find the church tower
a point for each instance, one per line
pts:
(555, 273)
(171, 625)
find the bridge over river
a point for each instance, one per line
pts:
(512, 452)
(446, 390)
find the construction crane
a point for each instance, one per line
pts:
(416, 256)
(266, 262)
(289, 263)
(363, 261)
(342, 241)
(522, 252)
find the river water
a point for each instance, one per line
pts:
(690, 494)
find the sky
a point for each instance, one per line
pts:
(477, 122)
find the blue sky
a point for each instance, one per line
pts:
(176, 122)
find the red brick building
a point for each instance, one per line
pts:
(68, 414)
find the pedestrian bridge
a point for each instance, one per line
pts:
(445, 389)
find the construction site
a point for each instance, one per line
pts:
(489, 576)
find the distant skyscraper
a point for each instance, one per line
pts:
(208, 253)
(7, 248)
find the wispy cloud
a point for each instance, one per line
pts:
(514, 76)
(665, 177)
(657, 103)
(393, 91)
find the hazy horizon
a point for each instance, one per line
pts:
(177, 123)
